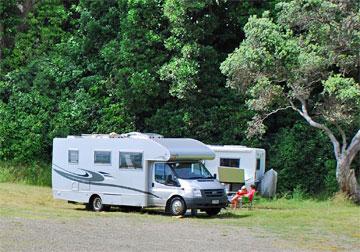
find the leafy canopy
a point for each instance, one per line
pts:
(306, 58)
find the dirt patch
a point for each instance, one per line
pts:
(131, 234)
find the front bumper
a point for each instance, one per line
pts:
(202, 203)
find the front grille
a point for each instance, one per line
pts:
(213, 193)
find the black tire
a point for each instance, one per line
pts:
(177, 206)
(212, 211)
(96, 204)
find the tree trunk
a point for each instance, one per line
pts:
(25, 8)
(347, 179)
(344, 156)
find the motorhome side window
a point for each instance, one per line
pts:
(73, 156)
(131, 160)
(102, 157)
(230, 162)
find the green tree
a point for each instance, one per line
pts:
(32, 80)
(9, 19)
(200, 34)
(306, 60)
(97, 66)
(35, 28)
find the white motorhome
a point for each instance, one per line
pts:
(135, 169)
(248, 162)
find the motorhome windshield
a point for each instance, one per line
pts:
(189, 170)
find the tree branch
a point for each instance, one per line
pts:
(255, 126)
(304, 113)
(343, 136)
(295, 108)
(274, 112)
(354, 146)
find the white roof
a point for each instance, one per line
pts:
(185, 149)
(175, 148)
(232, 148)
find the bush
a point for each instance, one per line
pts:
(331, 184)
(303, 159)
(298, 193)
(36, 173)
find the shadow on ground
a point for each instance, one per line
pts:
(224, 214)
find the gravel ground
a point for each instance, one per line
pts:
(132, 234)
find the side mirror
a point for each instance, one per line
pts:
(214, 175)
(169, 178)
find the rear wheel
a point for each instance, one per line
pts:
(177, 206)
(96, 204)
(212, 211)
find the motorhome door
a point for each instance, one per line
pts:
(163, 184)
(260, 166)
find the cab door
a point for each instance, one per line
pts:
(163, 184)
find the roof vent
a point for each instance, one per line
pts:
(140, 135)
(95, 135)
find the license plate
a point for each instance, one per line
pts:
(215, 202)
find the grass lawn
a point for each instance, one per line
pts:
(321, 225)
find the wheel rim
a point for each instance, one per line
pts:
(177, 207)
(97, 204)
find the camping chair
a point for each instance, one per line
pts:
(245, 201)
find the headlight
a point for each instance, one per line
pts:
(196, 192)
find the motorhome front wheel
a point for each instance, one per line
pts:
(177, 206)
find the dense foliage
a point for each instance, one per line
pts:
(300, 147)
(307, 60)
(72, 67)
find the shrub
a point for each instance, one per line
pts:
(35, 173)
(303, 159)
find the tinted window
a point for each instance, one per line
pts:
(187, 170)
(102, 157)
(130, 160)
(73, 156)
(230, 162)
(258, 164)
(162, 172)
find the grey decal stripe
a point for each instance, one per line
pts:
(96, 177)
(125, 187)
(85, 177)
(80, 178)
(105, 174)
